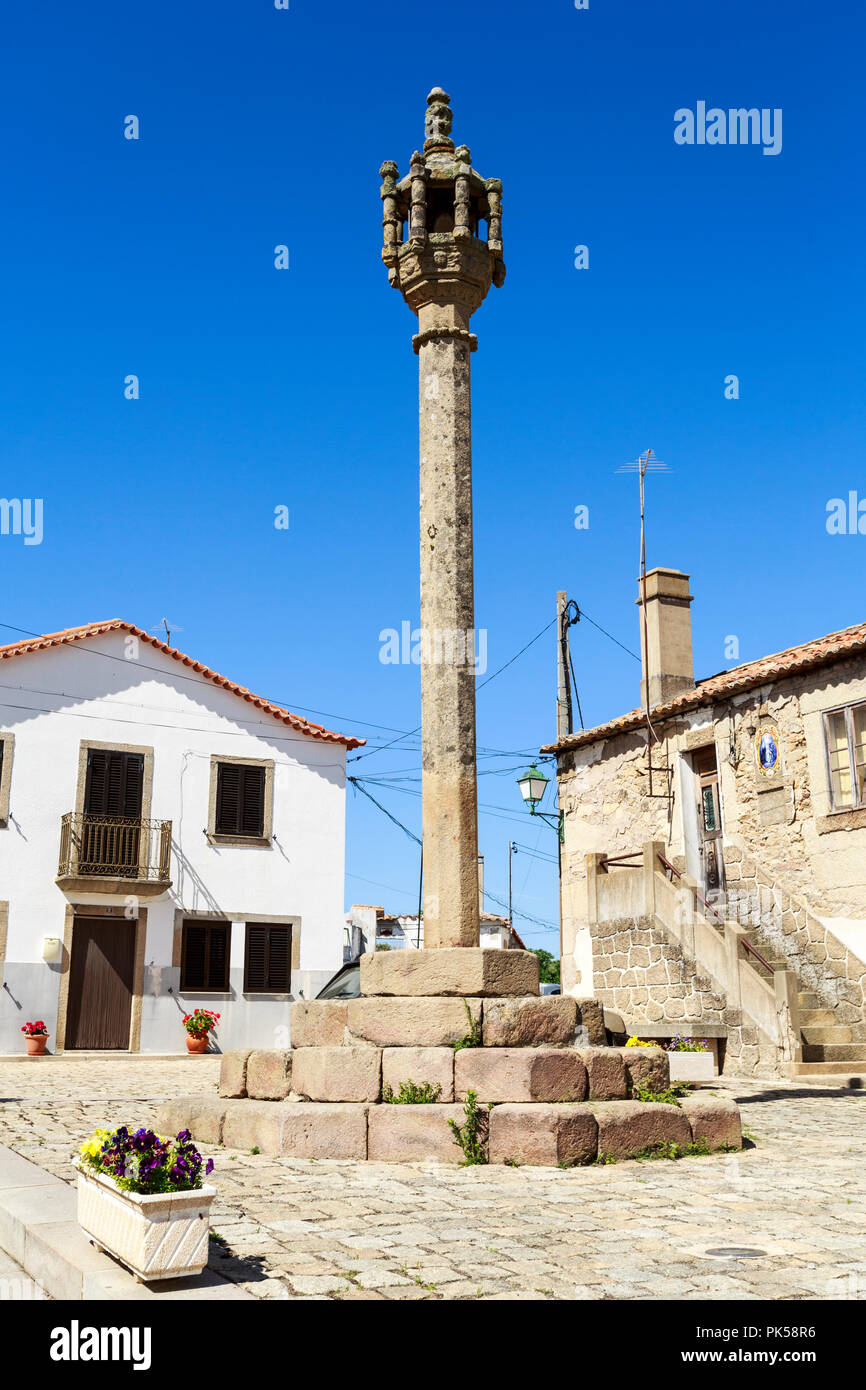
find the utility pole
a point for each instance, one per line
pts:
(564, 721)
(511, 853)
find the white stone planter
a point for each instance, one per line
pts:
(692, 1066)
(158, 1236)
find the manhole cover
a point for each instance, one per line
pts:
(736, 1252)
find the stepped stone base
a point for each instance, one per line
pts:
(520, 1074)
(454, 970)
(412, 1022)
(549, 1089)
(430, 1066)
(541, 1134)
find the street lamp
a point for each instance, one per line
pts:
(533, 785)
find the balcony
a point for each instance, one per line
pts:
(114, 854)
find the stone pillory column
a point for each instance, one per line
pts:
(444, 269)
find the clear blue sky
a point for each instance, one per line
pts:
(261, 387)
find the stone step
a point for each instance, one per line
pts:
(561, 1134)
(816, 1070)
(361, 1073)
(807, 999)
(455, 971)
(817, 1018)
(834, 1033)
(835, 1052)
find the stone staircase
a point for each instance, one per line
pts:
(830, 1017)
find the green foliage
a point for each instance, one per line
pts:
(667, 1148)
(473, 1037)
(471, 1136)
(548, 971)
(604, 1157)
(412, 1094)
(669, 1096)
(380, 946)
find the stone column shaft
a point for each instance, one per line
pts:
(450, 828)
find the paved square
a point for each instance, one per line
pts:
(295, 1228)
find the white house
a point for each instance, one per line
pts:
(167, 840)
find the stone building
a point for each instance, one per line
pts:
(722, 891)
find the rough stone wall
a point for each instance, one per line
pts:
(823, 964)
(783, 823)
(644, 975)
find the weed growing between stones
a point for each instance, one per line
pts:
(604, 1157)
(473, 1037)
(667, 1148)
(669, 1096)
(471, 1136)
(412, 1094)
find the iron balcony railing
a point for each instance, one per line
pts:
(115, 847)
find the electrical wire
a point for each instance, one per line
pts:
(490, 678)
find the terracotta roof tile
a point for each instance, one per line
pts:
(823, 651)
(76, 634)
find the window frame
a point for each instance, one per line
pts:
(216, 837)
(268, 989)
(208, 924)
(857, 802)
(7, 746)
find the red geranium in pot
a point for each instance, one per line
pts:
(199, 1025)
(35, 1038)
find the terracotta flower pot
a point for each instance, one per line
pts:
(196, 1042)
(36, 1044)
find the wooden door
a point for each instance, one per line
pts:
(101, 972)
(709, 823)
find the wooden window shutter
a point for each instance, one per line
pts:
(268, 959)
(218, 958)
(280, 960)
(228, 798)
(114, 783)
(193, 967)
(240, 800)
(253, 804)
(205, 956)
(256, 972)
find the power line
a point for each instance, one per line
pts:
(584, 614)
(512, 660)
(355, 781)
(490, 678)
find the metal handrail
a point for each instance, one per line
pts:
(747, 946)
(708, 906)
(621, 859)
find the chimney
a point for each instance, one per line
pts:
(668, 636)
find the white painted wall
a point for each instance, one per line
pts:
(52, 700)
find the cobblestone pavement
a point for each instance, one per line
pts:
(293, 1228)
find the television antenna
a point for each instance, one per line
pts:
(168, 627)
(642, 465)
